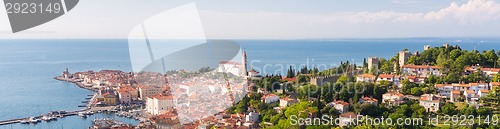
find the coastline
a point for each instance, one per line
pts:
(81, 85)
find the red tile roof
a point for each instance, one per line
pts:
(386, 76)
(367, 76)
(291, 79)
(348, 115)
(420, 66)
(369, 99)
(484, 91)
(230, 62)
(163, 97)
(341, 102)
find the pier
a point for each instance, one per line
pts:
(61, 114)
(89, 101)
(14, 121)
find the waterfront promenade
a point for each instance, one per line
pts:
(77, 82)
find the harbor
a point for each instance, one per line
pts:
(87, 104)
(54, 115)
(45, 117)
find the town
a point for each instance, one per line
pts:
(442, 80)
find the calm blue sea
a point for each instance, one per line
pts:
(27, 67)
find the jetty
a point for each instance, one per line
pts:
(89, 101)
(53, 114)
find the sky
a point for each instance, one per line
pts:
(280, 19)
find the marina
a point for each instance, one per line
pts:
(45, 117)
(54, 115)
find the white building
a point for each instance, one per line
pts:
(430, 102)
(286, 101)
(192, 88)
(369, 100)
(420, 70)
(270, 98)
(486, 71)
(455, 94)
(470, 96)
(385, 77)
(253, 73)
(252, 117)
(446, 89)
(235, 68)
(124, 97)
(347, 119)
(392, 98)
(148, 91)
(418, 80)
(158, 104)
(365, 78)
(339, 105)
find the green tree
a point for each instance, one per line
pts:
(417, 91)
(343, 95)
(290, 73)
(490, 58)
(387, 67)
(470, 110)
(498, 62)
(444, 62)
(448, 109)
(343, 79)
(365, 64)
(370, 110)
(496, 78)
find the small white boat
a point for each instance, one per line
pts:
(24, 121)
(32, 120)
(46, 118)
(82, 114)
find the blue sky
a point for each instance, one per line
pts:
(284, 19)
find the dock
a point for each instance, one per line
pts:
(88, 100)
(13, 121)
(18, 120)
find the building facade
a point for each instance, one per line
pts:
(159, 103)
(430, 102)
(148, 91)
(270, 98)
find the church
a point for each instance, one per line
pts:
(235, 68)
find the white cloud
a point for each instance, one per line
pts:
(472, 12)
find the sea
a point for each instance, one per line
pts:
(27, 67)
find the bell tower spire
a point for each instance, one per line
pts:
(244, 63)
